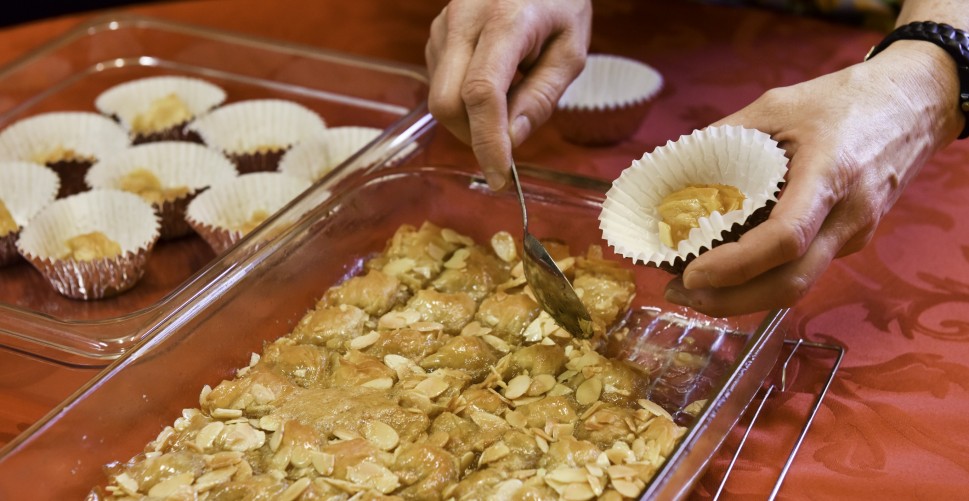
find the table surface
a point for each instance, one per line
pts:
(894, 423)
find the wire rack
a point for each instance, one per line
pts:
(779, 383)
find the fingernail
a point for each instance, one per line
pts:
(697, 280)
(675, 296)
(521, 127)
(495, 180)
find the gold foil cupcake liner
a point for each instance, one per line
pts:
(608, 101)
(219, 213)
(746, 159)
(130, 100)
(256, 133)
(122, 217)
(25, 189)
(67, 142)
(175, 164)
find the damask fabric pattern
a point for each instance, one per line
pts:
(874, 13)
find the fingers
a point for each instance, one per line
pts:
(448, 53)
(780, 287)
(793, 224)
(532, 101)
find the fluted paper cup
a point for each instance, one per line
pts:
(256, 133)
(608, 101)
(158, 108)
(122, 217)
(227, 212)
(67, 142)
(314, 157)
(25, 189)
(182, 169)
(746, 159)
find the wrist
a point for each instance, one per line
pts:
(936, 58)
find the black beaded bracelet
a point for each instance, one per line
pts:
(955, 42)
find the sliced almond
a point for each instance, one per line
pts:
(127, 484)
(589, 391)
(171, 485)
(518, 386)
(516, 419)
(578, 492)
(207, 435)
(626, 488)
(399, 266)
(381, 435)
(380, 383)
(361, 342)
(439, 438)
(504, 246)
(432, 386)
(496, 343)
(322, 462)
(221, 413)
(294, 490)
(541, 384)
(452, 237)
(493, 453)
(213, 478)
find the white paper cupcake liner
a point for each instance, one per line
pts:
(256, 133)
(127, 101)
(89, 135)
(218, 213)
(315, 157)
(25, 189)
(122, 217)
(176, 164)
(608, 101)
(744, 158)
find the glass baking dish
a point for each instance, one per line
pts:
(68, 73)
(273, 282)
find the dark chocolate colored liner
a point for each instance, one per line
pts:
(8, 248)
(71, 174)
(174, 133)
(257, 162)
(172, 216)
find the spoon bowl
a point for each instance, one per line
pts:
(551, 287)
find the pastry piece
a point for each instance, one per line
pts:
(231, 210)
(25, 189)
(67, 142)
(91, 245)
(747, 160)
(158, 108)
(255, 134)
(608, 101)
(166, 174)
(392, 389)
(681, 210)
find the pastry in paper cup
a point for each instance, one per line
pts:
(91, 245)
(166, 174)
(25, 189)
(608, 101)
(227, 212)
(67, 142)
(726, 156)
(158, 108)
(255, 134)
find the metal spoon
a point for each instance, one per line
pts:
(552, 289)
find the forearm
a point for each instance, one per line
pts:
(952, 12)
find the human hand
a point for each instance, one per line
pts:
(854, 138)
(475, 51)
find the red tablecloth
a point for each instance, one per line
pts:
(894, 425)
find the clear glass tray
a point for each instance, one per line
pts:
(68, 73)
(272, 282)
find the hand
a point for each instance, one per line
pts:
(474, 53)
(855, 138)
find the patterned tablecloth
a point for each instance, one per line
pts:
(894, 425)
